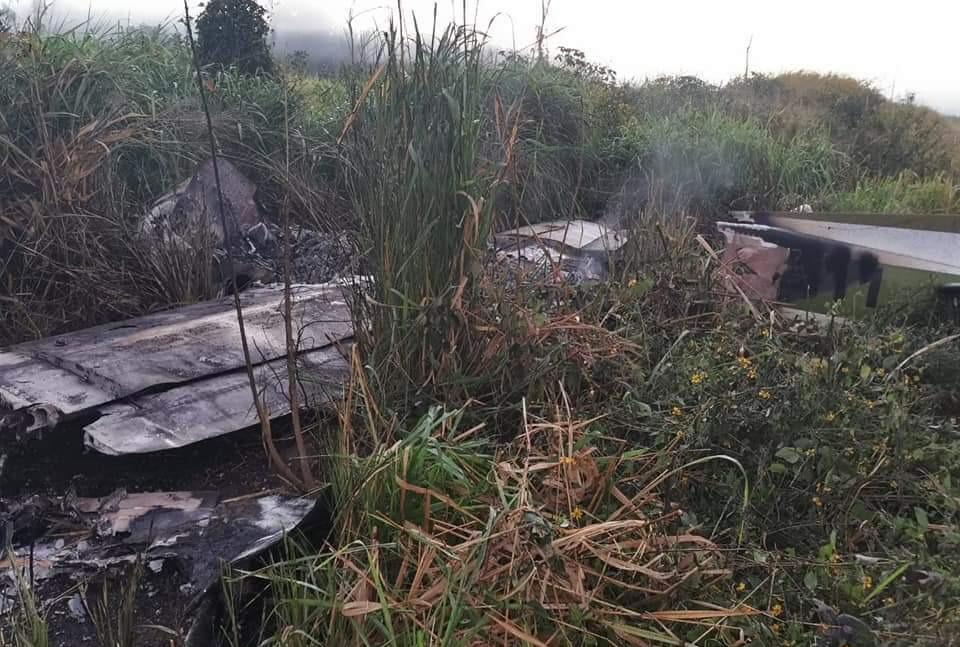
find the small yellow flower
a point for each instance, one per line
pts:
(775, 627)
(867, 582)
(567, 460)
(741, 587)
(698, 377)
(752, 373)
(577, 513)
(881, 371)
(776, 609)
(764, 332)
(676, 412)
(744, 362)
(830, 416)
(631, 283)
(817, 501)
(764, 394)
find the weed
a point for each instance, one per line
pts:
(28, 624)
(114, 620)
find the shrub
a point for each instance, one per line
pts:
(884, 137)
(904, 137)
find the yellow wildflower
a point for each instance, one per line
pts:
(776, 609)
(830, 416)
(677, 412)
(881, 371)
(566, 460)
(764, 394)
(764, 332)
(744, 362)
(698, 377)
(775, 627)
(867, 582)
(817, 501)
(577, 513)
(752, 373)
(741, 587)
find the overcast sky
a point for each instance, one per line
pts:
(900, 46)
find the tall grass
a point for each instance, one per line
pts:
(94, 125)
(906, 193)
(710, 161)
(422, 197)
(28, 621)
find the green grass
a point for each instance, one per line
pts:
(28, 621)
(710, 161)
(904, 194)
(423, 199)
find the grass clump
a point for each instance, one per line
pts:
(27, 621)
(423, 201)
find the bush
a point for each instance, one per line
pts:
(882, 136)
(904, 137)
